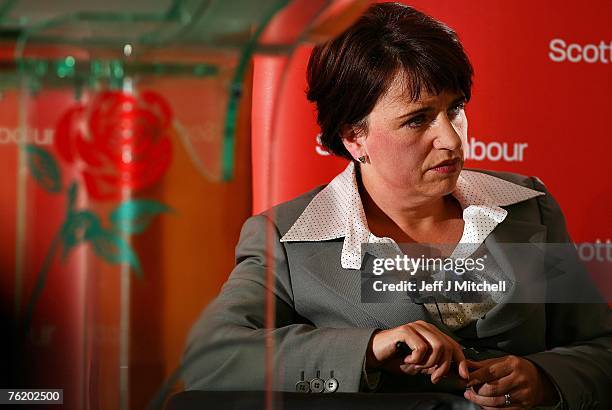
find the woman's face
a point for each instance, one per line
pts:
(414, 148)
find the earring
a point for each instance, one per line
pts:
(363, 159)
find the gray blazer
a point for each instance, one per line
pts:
(321, 326)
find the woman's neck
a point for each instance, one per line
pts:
(403, 216)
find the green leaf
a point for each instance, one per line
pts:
(72, 195)
(134, 216)
(114, 249)
(79, 226)
(44, 168)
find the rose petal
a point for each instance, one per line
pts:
(102, 187)
(151, 168)
(134, 130)
(89, 152)
(105, 110)
(67, 130)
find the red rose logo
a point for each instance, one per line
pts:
(120, 140)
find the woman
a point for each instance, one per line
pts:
(390, 94)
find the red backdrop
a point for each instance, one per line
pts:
(541, 106)
(550, 118)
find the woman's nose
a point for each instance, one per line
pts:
(446, 137)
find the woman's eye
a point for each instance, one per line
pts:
(457, 108)
(416, 122)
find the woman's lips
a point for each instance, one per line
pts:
(447, 167)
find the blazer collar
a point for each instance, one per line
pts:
(337, 211)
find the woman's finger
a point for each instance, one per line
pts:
(489, 373)
(437, 344)
(497, 401)
(430, 370)
(474, 364)
(417, 344)
(463, 369)
(443, 368)
(409, 369)
(457, 355)
(497, 387)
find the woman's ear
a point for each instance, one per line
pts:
(353, 141)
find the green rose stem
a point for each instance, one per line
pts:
(40, 282)
(57, 241)
(48, 261)
(46, 171)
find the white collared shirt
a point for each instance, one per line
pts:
(337, 211)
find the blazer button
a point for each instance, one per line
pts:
(331, 385)
(317, 385)
(302, 386)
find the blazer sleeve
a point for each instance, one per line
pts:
(226, 346)
(578, 358)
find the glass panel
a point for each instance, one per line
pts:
(126, 132)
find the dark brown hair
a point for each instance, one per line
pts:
(349, 74)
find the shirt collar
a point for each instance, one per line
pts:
(337, 211)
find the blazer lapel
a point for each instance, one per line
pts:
(514, 246)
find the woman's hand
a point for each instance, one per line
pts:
(493, 378)
(432, 351)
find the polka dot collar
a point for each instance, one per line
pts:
(336, 211)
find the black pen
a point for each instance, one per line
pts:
(402, 349)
